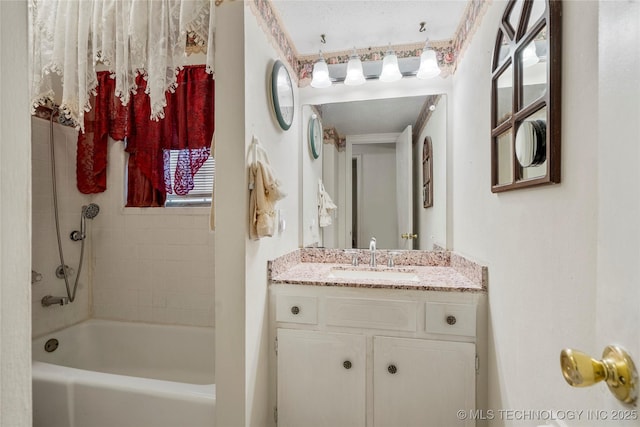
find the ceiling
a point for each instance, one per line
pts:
(363, 24)
(372, 116)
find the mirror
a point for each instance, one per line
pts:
(372, 169)
(282, 95)
(525, 148)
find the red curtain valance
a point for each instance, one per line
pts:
(188, 125)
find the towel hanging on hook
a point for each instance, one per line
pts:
(265, 191)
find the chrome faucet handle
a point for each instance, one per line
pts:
(354, 256)
(391, 255)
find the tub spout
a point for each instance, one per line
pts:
(51, 300)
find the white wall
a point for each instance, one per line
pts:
(283, 148)
(15, 219)
(431, 223)
(44, 255)
(541, 245)
(311, 170)
(242, 336)
(332, 168)
(149, 264)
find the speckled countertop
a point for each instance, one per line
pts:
(435, 270)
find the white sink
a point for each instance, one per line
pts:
(405, 276)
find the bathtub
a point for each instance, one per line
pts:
(119, 374)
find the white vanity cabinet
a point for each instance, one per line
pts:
(422, 382)
(360, 357)
(321, 378)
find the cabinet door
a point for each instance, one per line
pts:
(422, 382)
(321, 379)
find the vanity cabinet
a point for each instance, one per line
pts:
(321, 378)
(374, 358)
(422, 382)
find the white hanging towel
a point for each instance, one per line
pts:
(265, 191)
(325, 206)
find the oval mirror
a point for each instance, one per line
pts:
(531, 146)
(282, 94)
(315, 136)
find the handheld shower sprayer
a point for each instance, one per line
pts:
(89, 211)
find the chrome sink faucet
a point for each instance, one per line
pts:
(372, 249)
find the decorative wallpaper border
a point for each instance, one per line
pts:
(271, 24)
(470, 22)
(331, 136)
(425, 115)
(448, 52)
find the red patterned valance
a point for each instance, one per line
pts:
(188, 126)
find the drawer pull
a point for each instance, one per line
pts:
(347, 364)
(451, 320)
(392, 369)
(295, 310)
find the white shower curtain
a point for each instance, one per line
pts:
(71, 37)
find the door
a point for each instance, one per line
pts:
(404, 188)
(321, 379)
(419, 383)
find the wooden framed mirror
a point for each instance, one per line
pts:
(427, 173)
(525, 96)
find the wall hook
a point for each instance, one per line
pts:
(323, 40)
(423, 27)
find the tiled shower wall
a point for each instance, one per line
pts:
(149, 265)
(44, 255)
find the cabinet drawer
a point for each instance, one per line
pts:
(453, 319)
(296, 309)
(372, 313)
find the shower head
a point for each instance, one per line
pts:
(90, 211)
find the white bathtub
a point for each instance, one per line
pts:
(118, 374)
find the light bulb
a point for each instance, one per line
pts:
(428, 65)
(390, 69)
(355, 75)
(320, 74)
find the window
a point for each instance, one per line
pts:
(203, 184)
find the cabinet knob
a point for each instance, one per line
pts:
(295, 309)
(392, 369)
(451, 320)
(347, 364)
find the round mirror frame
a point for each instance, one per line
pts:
(277, 94)
(531, 147)
(315, 136)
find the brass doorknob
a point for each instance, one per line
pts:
(616, 368)
(409, 236)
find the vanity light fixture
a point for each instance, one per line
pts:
(429, 67)
(390, 69)
(355, 75)
(320, 74)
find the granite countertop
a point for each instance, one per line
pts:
(435, 271)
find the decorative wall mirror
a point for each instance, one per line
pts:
(525, 100)
(427, 173)
(315, 136)
(282, 95)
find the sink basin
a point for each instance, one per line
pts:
(339, 273)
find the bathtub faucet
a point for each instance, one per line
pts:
(51, 300)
